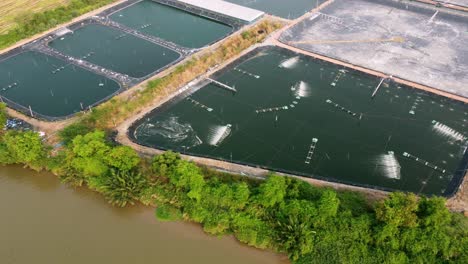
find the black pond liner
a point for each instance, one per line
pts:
(451, 188)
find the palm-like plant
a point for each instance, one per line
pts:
(296, 237)
(120, 187)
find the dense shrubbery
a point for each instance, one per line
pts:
(3, 115)
(310, 224)
(23, 148)
(29, 25)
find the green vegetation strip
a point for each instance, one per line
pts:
(310, 224)
(30, 25)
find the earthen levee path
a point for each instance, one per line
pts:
(446, 5)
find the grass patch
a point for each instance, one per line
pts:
(20, 19)
(13, 12)
(168, 213)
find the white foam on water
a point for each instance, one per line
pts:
(389, 165)
(289, 63)
(171, 130)
(301, 89)
(217, 134)
(447, 132)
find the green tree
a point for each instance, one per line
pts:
(88, 154)
(122, 158)
(119, 187)
(395, 214)
(296, 237)
(272, 191)
(25, 147)
(5, 156)
(430, 237)
(253, 231)
(187, 176)
(328, 204)
(3, 116)
(165, 163)
(72, 131)
(398, 209)
(294, 225)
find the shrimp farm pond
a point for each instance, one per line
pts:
(32, 80)
(114, 50)
(285, 112)
(172, 24)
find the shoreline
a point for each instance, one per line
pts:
(48, 185)
(459, 200)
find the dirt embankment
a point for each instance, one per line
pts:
(459, 202)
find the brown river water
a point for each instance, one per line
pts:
(44, 221)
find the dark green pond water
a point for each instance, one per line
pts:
(45, 222)
(366, 148)
(289, 9)
(115, 50)
(55, 95)
(171, 24)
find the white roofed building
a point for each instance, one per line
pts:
(245, 14)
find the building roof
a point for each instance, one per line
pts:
(225, 8)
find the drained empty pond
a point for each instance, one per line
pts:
(295, 114)
(171, 24)
(115, 50)
(51, 86)
(416, 42)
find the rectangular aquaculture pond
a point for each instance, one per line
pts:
(115, 50)
(32, 79)
(289, 9)
(172, 24)
(303, 116)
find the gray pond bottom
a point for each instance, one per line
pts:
(32, 79)
(412, 41)
(303, 116)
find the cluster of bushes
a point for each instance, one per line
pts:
(310, 224)
(31, 24)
